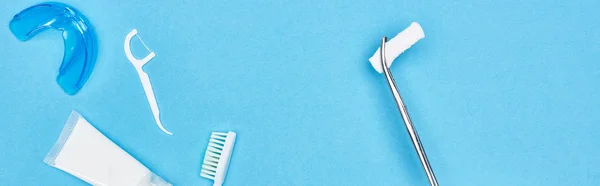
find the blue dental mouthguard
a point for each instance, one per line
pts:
(79, 40)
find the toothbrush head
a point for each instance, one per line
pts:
(217, 156)
(397, 45)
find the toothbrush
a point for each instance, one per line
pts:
(216, 158)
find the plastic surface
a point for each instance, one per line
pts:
(138, 64)
(217, 156)
(395, 46)
(80, 46)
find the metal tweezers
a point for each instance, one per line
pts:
(409, 126)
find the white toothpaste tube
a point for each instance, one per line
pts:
(84, 152)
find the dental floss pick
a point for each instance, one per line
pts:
(138, 64)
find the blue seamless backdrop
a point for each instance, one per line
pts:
(502, 92)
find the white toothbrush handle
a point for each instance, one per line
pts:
(151, 99)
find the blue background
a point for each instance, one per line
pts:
(502, 93)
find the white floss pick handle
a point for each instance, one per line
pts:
(138, 64)
(397, 45)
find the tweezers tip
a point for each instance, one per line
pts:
(382, 53)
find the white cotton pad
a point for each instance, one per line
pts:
(397, 45)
